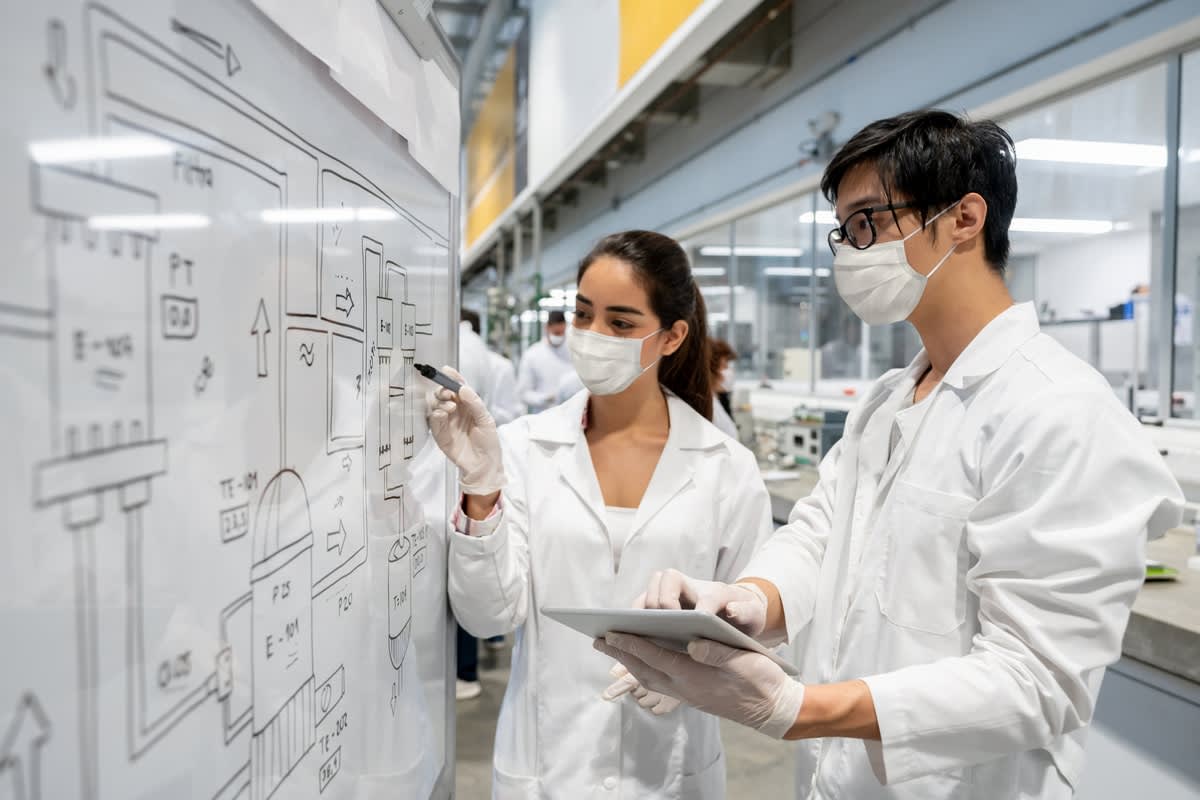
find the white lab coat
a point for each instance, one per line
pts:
(569, 386)
(506, 404)
(979, 581)
(704, 512)
(723, 421)
(490, 374)
(541, 370)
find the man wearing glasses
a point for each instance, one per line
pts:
(963, 573)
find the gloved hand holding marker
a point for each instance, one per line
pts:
(440, 378)
(465, 431)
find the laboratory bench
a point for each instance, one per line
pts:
(1145, 733)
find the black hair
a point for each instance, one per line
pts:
(663, 270)
(555, 317)
(933, 158)
(467, 315)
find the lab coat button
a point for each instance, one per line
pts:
(610, 783)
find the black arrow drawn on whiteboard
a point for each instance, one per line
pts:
(232, 64)
(261, 327)
(336, 540)
(21, 748)
(344, 303)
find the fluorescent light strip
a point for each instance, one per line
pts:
(708, 272)
(375, 214)
(147, 222)
(294, 216)
(1079, 151)
(796, 272)
(106, 148)
(752, 250)
(1048, 225)
(821, 218)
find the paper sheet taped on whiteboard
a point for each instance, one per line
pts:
(370, 57)
(313, 24)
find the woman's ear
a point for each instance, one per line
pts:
(674, 337)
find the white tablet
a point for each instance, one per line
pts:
(668, 628)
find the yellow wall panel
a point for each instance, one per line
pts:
(645, 25)
(490, 150)
(493, 198)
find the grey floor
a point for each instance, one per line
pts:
(757, 766)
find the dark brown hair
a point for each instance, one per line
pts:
(719, 351)
(662, 269)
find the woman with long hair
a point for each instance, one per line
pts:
(580, 506)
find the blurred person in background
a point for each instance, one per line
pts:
(494, 380)
(543, 366)
(721, 361)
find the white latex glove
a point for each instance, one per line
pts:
(743, 605)
(466, 433)
(739, 685)
(656, 703)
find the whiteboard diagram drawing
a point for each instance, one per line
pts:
(224, 333)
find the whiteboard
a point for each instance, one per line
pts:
(222, 561)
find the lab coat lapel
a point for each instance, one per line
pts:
(575, 467)
(561, 428)
(689, 432)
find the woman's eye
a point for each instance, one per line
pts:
(621, 325)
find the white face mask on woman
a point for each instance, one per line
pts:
(878, 283)
(726, 382)
(607, 364)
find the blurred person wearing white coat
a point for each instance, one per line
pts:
(721, 362)
(579, 506)
(963, 573)
(492, 377)
(543, 366)
(490, 374)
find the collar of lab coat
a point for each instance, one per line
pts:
(986, 353)
(562, 427)
(563, 424)
(992, 347)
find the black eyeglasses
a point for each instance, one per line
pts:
(858, 230)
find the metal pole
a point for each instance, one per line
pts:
(502, 285)
(731, 280)
(536, 246)
(518, 285)
(812, 301)
(1162, 284)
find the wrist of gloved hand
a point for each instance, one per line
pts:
(484, 483)
(789, 698)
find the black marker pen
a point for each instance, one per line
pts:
(440, 378)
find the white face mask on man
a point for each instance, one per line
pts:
(555, 339)
(607, 364)
(878, 283)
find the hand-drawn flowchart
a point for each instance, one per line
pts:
(220, 430)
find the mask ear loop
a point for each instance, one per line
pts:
(949, 252)
(655, 361)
